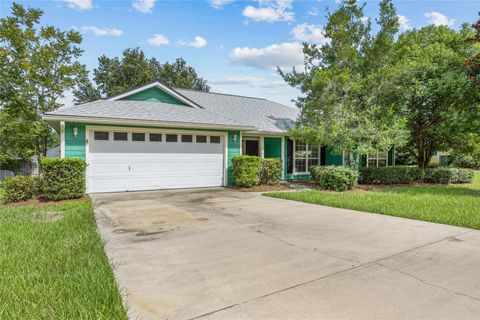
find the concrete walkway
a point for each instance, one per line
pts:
(221, 254)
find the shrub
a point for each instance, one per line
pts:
(390, 175)
(246, 170)
(449, 175)
(63, 178)
(313, 172)
(464, 160)
(271, 171)
(19, 188)
(336, 178)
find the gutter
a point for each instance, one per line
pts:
(173, 124)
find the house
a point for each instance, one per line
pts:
(156, 137)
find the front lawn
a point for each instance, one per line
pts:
(53, 265)
(457, 205)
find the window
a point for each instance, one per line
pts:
(214, 139)
(300, 157)
(120, 136)
(201, 139)
(171, 138)
(136, 136)
(305, 156)
(100, 135)
(155, 137)
(187, 138)
(379, 159)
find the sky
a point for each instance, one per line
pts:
(234, 45)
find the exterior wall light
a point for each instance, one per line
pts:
(234, 138)
(75, 132)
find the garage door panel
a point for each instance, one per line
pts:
(137, 165)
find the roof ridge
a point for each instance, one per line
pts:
(223, 94)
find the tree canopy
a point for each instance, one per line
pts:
(37, 65)
(337, 106)
(115, 75)
(363, 92)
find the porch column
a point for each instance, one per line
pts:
(262, 147)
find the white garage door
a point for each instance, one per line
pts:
(124, 160)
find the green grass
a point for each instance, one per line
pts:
(55, 269)
(457, 205)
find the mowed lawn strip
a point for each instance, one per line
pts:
(53, 265)
(457, 205)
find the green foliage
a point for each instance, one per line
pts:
(338, 84)
(270, 171)
(466, 160)
(448, 204)
(246, 170)
(390, 175)
(336, 178)
(38, 64)
(63, 178)
(115, 75)
(426, 84)
(54, 264)
(18, 188)
(449, 175)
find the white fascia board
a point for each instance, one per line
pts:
(265, 133)
(169, 124)
(161, 87)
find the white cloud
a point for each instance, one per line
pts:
(284, 55)
(158, 40)
(143, 6)
(404, 23)
(438, 19)
(80, 5)
(101, 31)
(313, 12)
(198, 42)
(218, 4)
(270, 11)
(309, 33)
(256, 82)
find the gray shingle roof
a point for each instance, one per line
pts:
(263, 114)
(219, 109)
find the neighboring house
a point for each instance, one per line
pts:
(156, 137)
(440, 159)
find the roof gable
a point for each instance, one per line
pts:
(156, 92)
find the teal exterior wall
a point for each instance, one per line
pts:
(233, 150)
(272, 147)
(333, 159)
(153, 94)
(75, 147)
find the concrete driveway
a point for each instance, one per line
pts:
(222, 254)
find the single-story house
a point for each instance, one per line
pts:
(156, 137)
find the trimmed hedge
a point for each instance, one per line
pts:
(18, 188)
(335, 178)
(271, 171)
(390, 175)
(63, 178)
(449, 175)
(246, 170)
(407, 175)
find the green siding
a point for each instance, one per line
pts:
(285, 157)
(233, 150)
(332, 158)
(391, 154)
(75, 146)
(273, 147)
(153, 94)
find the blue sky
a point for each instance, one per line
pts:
(235, 45)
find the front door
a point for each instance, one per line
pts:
(251, 148)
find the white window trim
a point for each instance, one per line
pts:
(294, 171)
(377, 158)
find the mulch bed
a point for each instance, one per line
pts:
(41, 202)
(263, 188)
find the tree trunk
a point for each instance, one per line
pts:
(352, 164)
(357, 164)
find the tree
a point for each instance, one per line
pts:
(427, 85)
(115, 75)
(472, 63)
(37, 65)
(337, 108)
